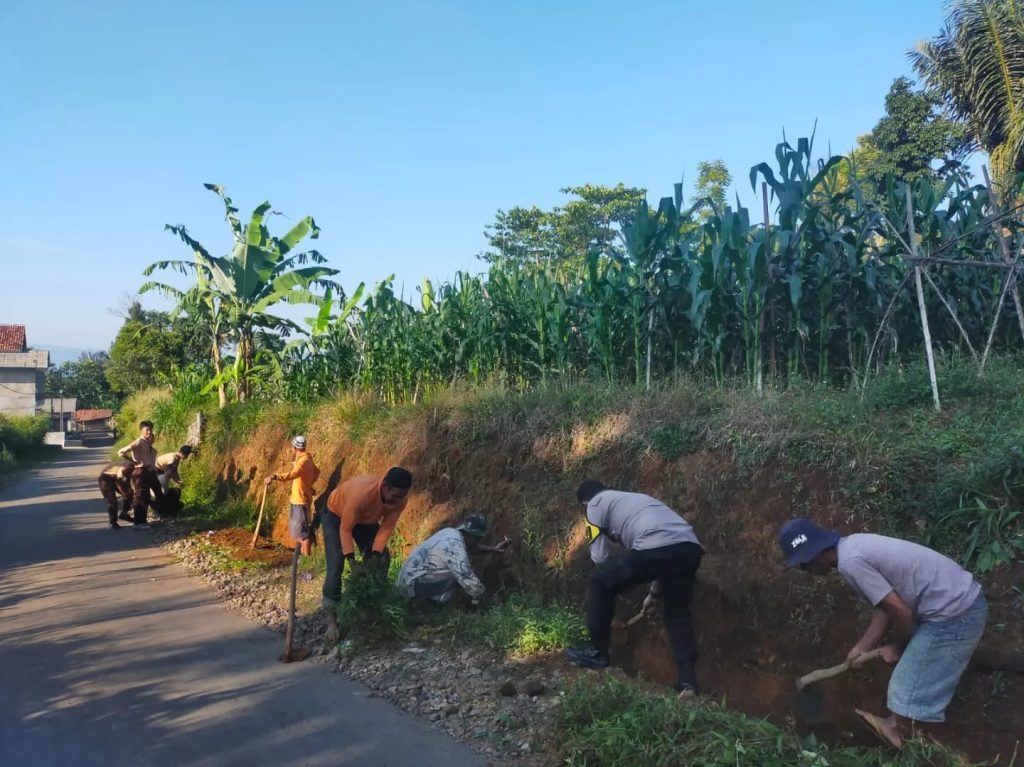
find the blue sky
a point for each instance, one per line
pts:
(400, 126)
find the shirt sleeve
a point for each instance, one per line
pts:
(458, 564)
(600, 549)
(296, 470)
(387, 525)
(865, 579)
(343, 509)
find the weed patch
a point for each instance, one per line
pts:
(609, 722)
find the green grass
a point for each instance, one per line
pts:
(607, 722)
(521, 625)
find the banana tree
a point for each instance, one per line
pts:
(260, 272)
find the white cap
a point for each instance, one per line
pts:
(299, 442)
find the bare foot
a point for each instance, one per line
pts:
(333, 633)
(886, 729)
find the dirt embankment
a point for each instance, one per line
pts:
(758, 626)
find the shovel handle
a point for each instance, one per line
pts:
(259, 519)
(827, 673)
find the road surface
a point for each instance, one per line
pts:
(111, 654)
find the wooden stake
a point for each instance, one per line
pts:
(259, 519)
(1011, 278)
(920, 302)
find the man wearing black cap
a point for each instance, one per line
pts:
(439, 564)
(661, 549)
(934, 609)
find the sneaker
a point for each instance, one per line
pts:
(140, 526)
(114, 526)
(686, 691)
(587, 657)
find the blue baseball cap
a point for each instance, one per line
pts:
(801, 541)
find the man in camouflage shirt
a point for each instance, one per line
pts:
(440, 563)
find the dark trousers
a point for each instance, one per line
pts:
(109, 488)
(675, 566)
(144, 482)
(363, 535)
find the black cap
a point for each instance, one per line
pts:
(398, 478)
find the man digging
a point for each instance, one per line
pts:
(302, 476)
(934, 609)
(116, 480)
(441, 563)
(363, 512)
(167, 466)
(660, 548)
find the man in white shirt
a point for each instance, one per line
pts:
(934, 609)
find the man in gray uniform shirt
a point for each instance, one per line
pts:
(934, 608)
(660, 548)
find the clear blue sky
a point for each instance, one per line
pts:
(400, 126)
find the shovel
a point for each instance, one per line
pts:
(259, 519)
(809, 703)
(293, 654)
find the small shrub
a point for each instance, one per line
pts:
(674, 440)
(371, 608)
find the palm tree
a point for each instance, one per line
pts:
(976, 65)
(235, 292)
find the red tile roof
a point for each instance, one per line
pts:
(92, 415)
(12, 338)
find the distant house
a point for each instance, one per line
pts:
(94, 420)
(22, 371)
(61, 412)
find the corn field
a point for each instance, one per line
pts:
(815, 286)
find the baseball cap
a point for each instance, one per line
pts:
(801, 540)
(474, 524)
(299, 442)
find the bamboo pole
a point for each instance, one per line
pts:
(920, 302)
(760, 314)
(1010, 279)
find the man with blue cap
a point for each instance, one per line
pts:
(934, 609)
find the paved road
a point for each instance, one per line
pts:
(111, 654)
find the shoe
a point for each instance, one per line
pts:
(125, 516)
(141, 526)
(114, 526)
(686, 691)
(587, 657)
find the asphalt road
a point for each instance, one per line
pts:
(111, 654)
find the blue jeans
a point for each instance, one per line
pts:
(923, 683)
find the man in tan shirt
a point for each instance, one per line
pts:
(167, 466)
(144, 478)
(362, 511)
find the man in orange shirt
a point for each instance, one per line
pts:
(303, 474)
(361, 512)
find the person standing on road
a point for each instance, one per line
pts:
(362, 511)
(439, 564)
(302, 476)
(116, 480)
(167, 466)
(660, 548)
(145, 486)
(935, 610)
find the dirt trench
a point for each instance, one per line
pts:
(759, 626)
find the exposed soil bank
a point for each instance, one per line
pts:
(759, 627)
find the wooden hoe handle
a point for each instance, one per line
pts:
(827, 673)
